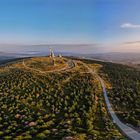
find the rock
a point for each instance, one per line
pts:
(18, 116)
(32, 124)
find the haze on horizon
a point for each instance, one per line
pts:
(102, 25)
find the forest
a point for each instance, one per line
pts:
(53, 106)
(125, 92)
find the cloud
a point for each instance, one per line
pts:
(130, 25)
(131, 42)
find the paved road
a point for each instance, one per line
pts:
(128, 131)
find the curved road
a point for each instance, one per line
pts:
(128, 131)
(70, 65)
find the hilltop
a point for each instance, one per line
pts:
(43, 100)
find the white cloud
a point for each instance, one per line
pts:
(130, 25)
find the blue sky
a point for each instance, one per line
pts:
(47, 21)
(97, 22)
(112, 14)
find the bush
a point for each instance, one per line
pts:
(40, 136)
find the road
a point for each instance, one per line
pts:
(128, 131)
(70, 65)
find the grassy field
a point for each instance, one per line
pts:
(53, 106)
(46, 63)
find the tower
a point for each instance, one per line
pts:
(60, 55)
(52, 56)
(52, 53)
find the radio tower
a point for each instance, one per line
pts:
(52, 56)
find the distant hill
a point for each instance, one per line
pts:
(118, 57)
(4, 56)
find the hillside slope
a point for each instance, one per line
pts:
(42, 102)
(125, 92)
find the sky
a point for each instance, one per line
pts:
(118, 20)
(46, 21)
(112, 25)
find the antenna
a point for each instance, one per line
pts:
(50, 52)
